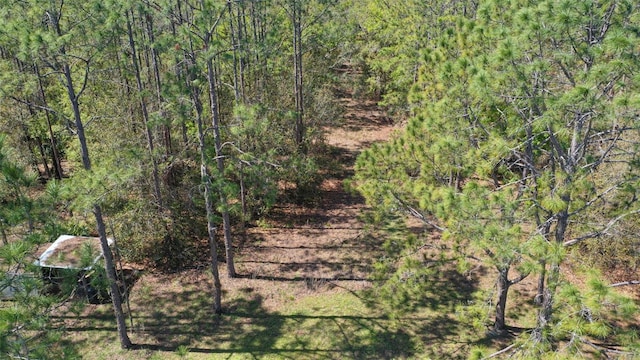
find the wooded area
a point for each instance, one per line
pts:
(504, 202)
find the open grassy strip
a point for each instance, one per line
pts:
(176, 321)
(329, 323)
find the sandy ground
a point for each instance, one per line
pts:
(303, 249)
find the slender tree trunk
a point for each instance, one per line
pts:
(145, 117)
(155, 63)
(213, 247)
(234, 46)
(241, 38)
(75, 106)
(206, 180)
(3, 232)
(43, 156)
(116, 299)
(539, 334)
(116, 296)
(257, 69)
(238, 87)
(211, 227)
(543, 273)
(553, 279)
(243, 199)
(297, 69)
(499, 326)
(57, 163)
(179, 73)
(215, 120)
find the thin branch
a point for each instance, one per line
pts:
(626, 283)
(37, 106)
(593, 200)
(599, 233)
(605, 348)
(85, 81)
(519, 278)
(416, 213)
(233, 145)
(500, 352)
(562, 154)
(606, 21)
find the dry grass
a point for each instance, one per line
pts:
(298, 293)
(300, 290)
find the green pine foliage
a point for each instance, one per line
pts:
(519, 148)
(250, 47)
(521, 131)
(25, 329)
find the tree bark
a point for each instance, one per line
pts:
(296, 20)
(43, 156)
(155, 63)
(116, 300)
(211, 228)
(215, 120)
(543, 273)
(145, 116)
(206, 180)
(116, 296)
(553, 279)
(234, 46)
(499, 326)
(57, 163)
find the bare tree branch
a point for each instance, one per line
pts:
(626, 283)
(601, 232)
(416, 213)
(500, 352)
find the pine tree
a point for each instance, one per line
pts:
(52, 36)
(520, 115)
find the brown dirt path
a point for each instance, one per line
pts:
(299, 250)
(306, 248)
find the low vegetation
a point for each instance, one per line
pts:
(322, 179)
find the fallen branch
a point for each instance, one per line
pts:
(500, 352)
(625, 283)
(606, 349)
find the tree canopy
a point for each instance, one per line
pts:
(175, 122)
(522, 144)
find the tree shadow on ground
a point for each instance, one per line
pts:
(427, 309)
(248, 329)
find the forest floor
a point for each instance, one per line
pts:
(322, 243)
(298, 293)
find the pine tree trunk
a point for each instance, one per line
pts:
(155, 63)
(543, 273)
(242, 61)
(116, 300)
(499, 326)
(3, 233)
(206, 180)
(116, 296)
(297, 67)
(215, 120)
(553, 279)
(259, 65)
(234, 46)
(211, 228)
(145, 116)
(57, 163)
(43, 156)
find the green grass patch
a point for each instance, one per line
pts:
(326, 325)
